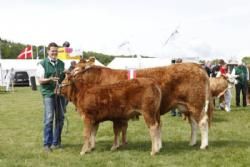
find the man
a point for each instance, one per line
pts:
(174, 110)
(243, 76)
(50, 74)
(9, 79)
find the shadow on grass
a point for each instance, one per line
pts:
(219, 119)
(168, 147)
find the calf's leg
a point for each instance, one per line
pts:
(87, 134)
(124, 131)
(154, 131)
(194, 127)
(93, 136)
(117, 129)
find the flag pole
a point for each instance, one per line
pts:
(44, 50)
(36, 52)
(32, 52)
(25, 53)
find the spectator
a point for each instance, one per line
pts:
(72, 65)
(66, 44)
(227, 95)
(214, 70)
(208, 68)
(174, 111)
(9, 80)
(242, 73)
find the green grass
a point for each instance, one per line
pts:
(21, 124)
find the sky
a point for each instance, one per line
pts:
(206, 29)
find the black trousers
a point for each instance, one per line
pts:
(241, 88)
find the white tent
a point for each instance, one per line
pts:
(137, 63)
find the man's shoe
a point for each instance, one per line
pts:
(47, 149)
(227, 109)
(54, 147)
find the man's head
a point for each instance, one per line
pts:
(73, 63)
(66, 44)
(53, 50)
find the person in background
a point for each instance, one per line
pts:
(227, 95)
(215, 68)
(242, 73)
(9, 79)
(66, 44)
(50, 73)
(174, 111)
(207, 67)
(72, 65)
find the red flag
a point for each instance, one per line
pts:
(26, 53)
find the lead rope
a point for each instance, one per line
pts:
(61, 107)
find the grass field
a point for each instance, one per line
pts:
(21, 118)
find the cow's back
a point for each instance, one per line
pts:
(218, 85)
(122, 99)
(184, 83)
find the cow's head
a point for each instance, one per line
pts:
(65, 88)
(231, 79)
(83, 64)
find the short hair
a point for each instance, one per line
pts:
(66, 44)
(222, 62)
(52, 44)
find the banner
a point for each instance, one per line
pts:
(65, 53)
(26, 53)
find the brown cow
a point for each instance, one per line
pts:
(119, 101)
(184, 86)
(219, 85)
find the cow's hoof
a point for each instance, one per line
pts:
(203, 147)
(152, 153)
(82, 153)
(113, 148)
(85, 151)
(192, 144)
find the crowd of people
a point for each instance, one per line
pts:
(240, 71)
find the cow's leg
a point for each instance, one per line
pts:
(154, 131)
(194, 127)
(117, 129)
(159, 141)
(124, 131)
(155, 135)
(93, 135)
(87, 134)
(203, 125)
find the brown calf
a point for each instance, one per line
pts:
(114, 102)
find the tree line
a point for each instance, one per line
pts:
(10, 50)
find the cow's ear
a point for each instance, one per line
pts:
(82, 60)
(69, 76)
(225, 76)
(91, 60)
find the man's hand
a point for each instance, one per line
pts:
(55, 79)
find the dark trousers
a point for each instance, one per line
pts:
(239, 88)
